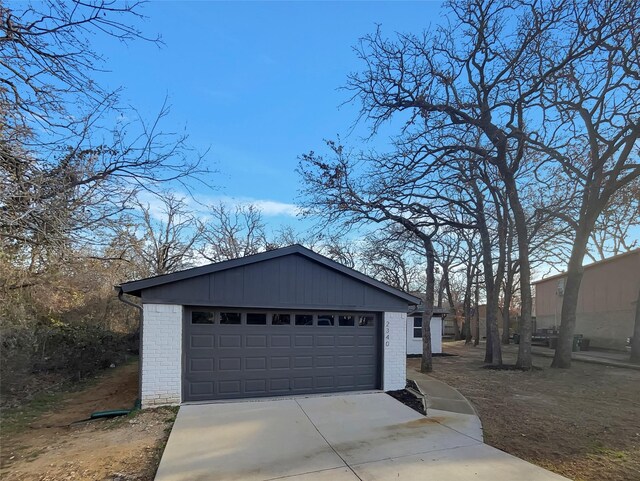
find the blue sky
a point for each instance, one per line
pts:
(257, 82)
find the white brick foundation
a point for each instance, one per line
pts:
(161, 355)
(394, 371)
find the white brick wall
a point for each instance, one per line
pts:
(394, 371)
(161, 355)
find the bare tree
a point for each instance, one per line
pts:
(613, 231)
(47, 65)
(591, 127)
(387, 256)
(166, 235)
(232, 232)
(68, 170)
(335, 193)
(511, 83)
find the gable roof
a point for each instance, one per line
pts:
(136, 287)
(589, 266)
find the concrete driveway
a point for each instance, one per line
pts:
(368, 436)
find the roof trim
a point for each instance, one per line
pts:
(135, 287)
(588, 266)
(437, 311)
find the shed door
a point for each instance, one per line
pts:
(232, 354)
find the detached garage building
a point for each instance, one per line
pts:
(283, 322)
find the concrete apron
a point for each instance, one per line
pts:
(344, 437)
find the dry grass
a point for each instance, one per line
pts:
(583, 423)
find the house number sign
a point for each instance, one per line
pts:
(387, 333)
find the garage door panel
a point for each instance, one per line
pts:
(365, 341)
(302, 362)
(304, 340)
(229, 387)
(324, 361)
(230, 364)
(198, 341)
(280, 362)
(280, 385)
(255, 363)
(325, 341)
(202, 365)
(229, 340)
(280, 340)
(324, 382)
(345, 380)
(345, 360)
(364, 380)
(303, 383)
(255, 386)
(347, 340)
(259, 340)
(201, 388)
(225, 361)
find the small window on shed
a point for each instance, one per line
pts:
(325, 320)
(417, 327)
(346, 321)
(202, 317)
(366, 320)
(304, 320)
(256, 318)
(281, 319)
(230, 318)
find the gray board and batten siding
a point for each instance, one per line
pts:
(292, 277)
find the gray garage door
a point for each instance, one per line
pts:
(237, 354)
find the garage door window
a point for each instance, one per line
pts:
(281, 320)
(304, 320)
(230, 318)
(346, 321)
(366, 320)
(325, 320)
(256, 318)
(202, 317)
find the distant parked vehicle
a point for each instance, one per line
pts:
(542, 337)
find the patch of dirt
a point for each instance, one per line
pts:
(409, 399)
(582, 423)
(124, 448)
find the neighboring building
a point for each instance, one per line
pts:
(283, 322)
(606, 302)
(414, 330)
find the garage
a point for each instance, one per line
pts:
(283, 322)
(235, 354)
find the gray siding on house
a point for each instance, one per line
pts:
(292, 281)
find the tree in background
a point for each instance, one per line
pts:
(73, 160)
(232, 232)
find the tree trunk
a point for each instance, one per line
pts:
(476, 341)
(456, 330)
(493, 354)
(562, 356)
(441, 286)
(426, 365)
(635, 340)
(506, 308)
(524, 360)
(466, 304)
